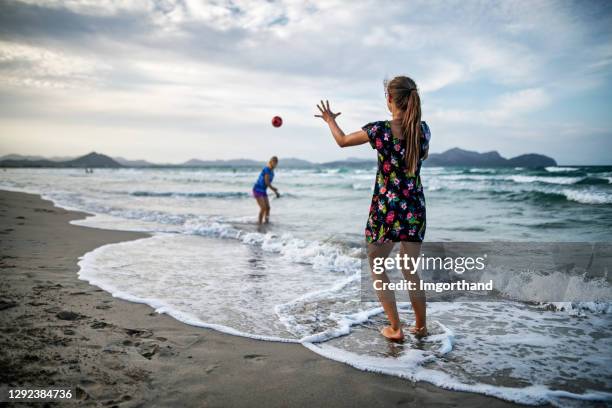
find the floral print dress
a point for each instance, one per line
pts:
(397, 212)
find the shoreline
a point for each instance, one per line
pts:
(60, 330)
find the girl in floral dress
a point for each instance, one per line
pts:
(397, 212)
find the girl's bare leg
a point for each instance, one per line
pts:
(417, 296)
(262, 208)
(386, 297)
(266, 210)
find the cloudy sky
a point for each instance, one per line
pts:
(171, 80)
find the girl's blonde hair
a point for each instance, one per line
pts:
(405, 97)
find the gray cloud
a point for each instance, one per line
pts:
(187, 68)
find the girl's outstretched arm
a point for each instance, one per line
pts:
(343, 140)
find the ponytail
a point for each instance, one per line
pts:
(406, 98)
(411, 129)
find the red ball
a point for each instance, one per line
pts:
(277, 121)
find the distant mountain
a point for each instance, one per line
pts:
(222, 163)
(133, 163)
(33, 158)
(350, 163)
(357, 159)
(531, 160)
(460, 157)
(21, 157)
(292, 162)
(28, 163)
(288, 162)
(93, 159)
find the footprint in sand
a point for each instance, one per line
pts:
(148, 350)
(258, 358)
(7, 304)
(99, 325)
(67, 315)
(43, 210)
(143, 333)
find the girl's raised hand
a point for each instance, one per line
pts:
(326, 114)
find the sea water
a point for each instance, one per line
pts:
(298, 279)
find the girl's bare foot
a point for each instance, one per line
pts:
(392, 334)
(418, 331)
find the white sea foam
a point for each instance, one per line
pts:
(191, 194)
(311, 306)
(581, 309)
(416, 365)
(360, 186)
(548, 180)
(483, 170)
(517, 178)
(530, 286)
(410, 367)
(173, 282)
(554, 169)
(588, 196)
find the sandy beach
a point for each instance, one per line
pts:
(59, 330)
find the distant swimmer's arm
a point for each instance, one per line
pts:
(267, 180)
(343, 140)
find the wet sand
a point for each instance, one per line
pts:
(59, 330)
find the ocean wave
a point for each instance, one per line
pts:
(545, 224)
(595, 180)
(553, 169)
(483, 171)
(546, 180)
(204, 194)
(528, 189)
(588, 197)
(542, 196)
(534, 287)
(468, 177)
(360, 186)
(582, 180)
(492, 179)
(320, 255)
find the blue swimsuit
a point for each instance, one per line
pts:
(259, 189)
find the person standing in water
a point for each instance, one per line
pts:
(260, 190)
(397, 212)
